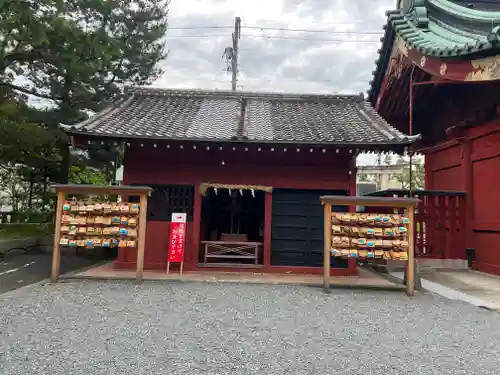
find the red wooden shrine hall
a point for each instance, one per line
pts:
(247, 168)
(438, 75)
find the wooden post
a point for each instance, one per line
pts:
(410, 265)
(268, 207)
(352, 262)
(327, 246)
(56, 249)
(191, 255)
(142, 238)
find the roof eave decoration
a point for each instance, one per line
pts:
(400, 140)
(422, 26)
(439, 29)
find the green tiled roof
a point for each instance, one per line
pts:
(445, 29)
(438, 28)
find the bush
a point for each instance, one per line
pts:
(16, 230)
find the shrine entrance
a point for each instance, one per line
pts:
(232, 227)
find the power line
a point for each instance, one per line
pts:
(275, 37)
(279, 29)
(314, 39)
(351, 22)
(314, 30)
(199, 28)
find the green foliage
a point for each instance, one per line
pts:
(363, 178)
(86, 175)
(79, 55)
(25, 138)
(24, 190)
(417, 178)
(15, 230)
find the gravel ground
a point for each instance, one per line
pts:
(203, 328)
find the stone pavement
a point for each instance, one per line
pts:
(118, 327)
(365, 278)
(473, 287)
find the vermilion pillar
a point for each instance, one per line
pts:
(192, 257)
(467, 186)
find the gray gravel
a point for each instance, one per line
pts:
(199, 328)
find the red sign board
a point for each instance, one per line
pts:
(177, 238)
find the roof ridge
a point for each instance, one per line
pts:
(464, 13)
(153, 91)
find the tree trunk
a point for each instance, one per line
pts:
(44, 193)
(63, 175)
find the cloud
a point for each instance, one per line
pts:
(290, 61)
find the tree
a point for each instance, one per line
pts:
(417, 177)
(28, 153)
(86, 175)
(365, 177)
(79, 54)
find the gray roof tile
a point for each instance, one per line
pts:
(217, 116)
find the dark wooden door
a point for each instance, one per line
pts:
(297, 228)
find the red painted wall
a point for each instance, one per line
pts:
(279, 169)
(443, 168)
(473, 165)
(289, 169)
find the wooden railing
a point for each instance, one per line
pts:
(439, 222)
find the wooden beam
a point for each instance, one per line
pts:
(101, 189)
(341, 200)
(384, 85)
(56, 248)
(398, 91)
(388, 91)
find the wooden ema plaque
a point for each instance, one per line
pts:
(369, 236)
(89, 223)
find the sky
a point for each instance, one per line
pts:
(294, 46)
(335, 55)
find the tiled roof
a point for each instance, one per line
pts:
(444, 29)
(478, 4)
(268, 117)
(440, 28)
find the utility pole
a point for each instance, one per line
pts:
(231, 53)
(234, 60)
